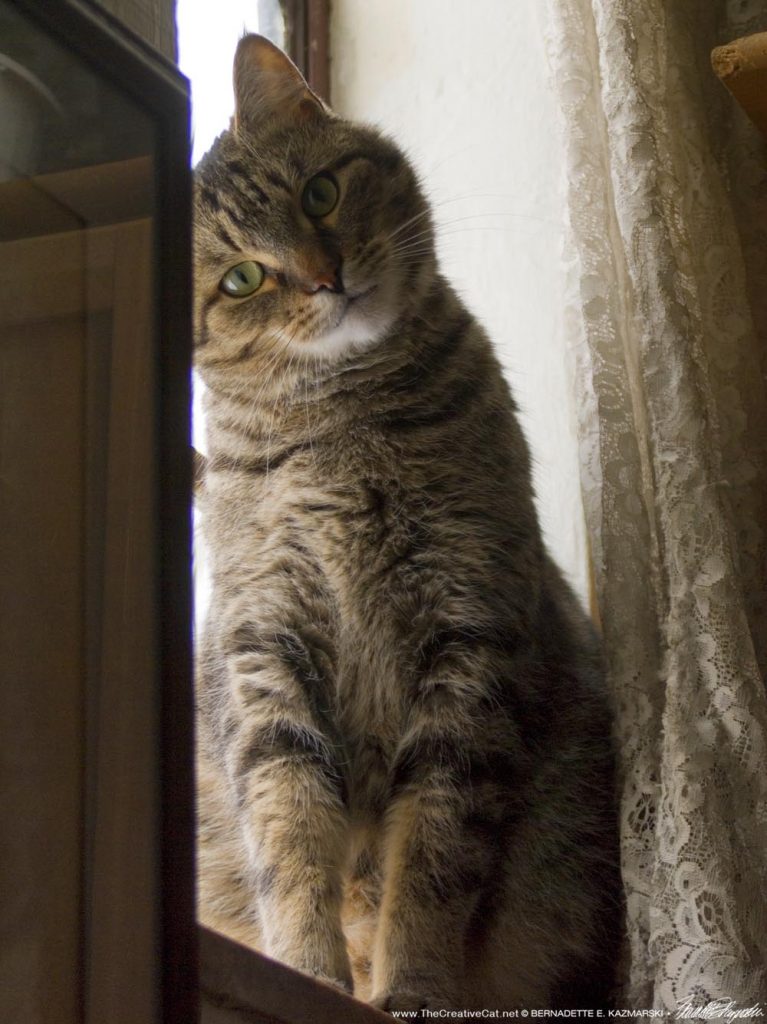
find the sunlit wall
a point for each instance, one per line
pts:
(465, 89)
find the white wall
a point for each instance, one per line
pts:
(463, 87)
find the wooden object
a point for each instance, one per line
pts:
(153, 20)
(78, 640)
(96, 810)
(742, 67)
(307, 29)
(238, 986)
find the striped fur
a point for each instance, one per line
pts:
(404, 740)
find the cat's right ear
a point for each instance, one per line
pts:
(268, 84)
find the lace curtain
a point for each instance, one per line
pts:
(667, 323)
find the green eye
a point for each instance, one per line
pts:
(320, 195)
(242, 280)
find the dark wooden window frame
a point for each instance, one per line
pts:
(154, 84)
(306, 39)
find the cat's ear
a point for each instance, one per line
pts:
(268, 84)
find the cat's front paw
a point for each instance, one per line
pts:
(410, 1002)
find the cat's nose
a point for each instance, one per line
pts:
(328, 277)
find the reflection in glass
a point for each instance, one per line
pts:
(78, 728)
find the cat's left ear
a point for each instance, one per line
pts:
(268, 84)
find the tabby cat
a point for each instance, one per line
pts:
(405, 770)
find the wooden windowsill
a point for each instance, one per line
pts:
(742, 67)
(238, 986)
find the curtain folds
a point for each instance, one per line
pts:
(667, 325)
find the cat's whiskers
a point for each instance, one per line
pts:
(236, 395)
(286, 373)
(411, 220)
(445, 229)
(308, 422)
(425, 238)
(408, 252)
(291, 376)
(441, 226)
(405, 256)
(436, 205)
(420, 243)
(275, 350)
(421, 232)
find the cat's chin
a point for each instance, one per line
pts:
(358, 329)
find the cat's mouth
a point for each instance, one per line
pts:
(356, 296)
(345, 302)
(351, 302)
(349, 320)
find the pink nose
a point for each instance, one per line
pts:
(328, 278)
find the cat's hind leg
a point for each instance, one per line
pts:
(438, 861)
(549, 932)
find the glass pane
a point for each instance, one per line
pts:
(78, 722)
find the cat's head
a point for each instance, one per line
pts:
(311, 234)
